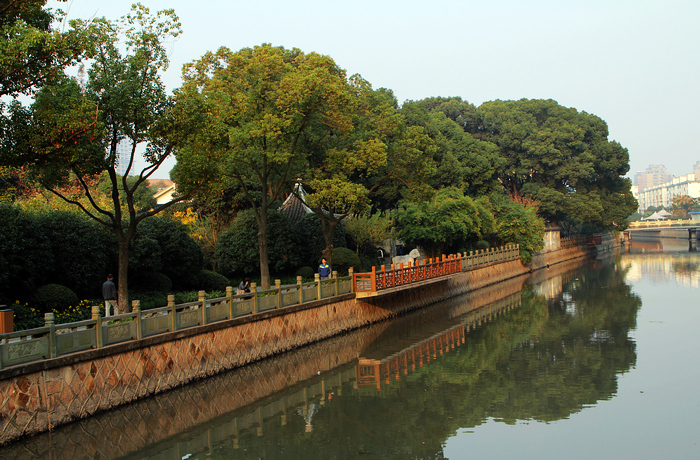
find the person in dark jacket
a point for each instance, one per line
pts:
(244, 287)
(324, 270)
(109, 293)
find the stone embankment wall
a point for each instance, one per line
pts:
(42, 395)
(229, 404)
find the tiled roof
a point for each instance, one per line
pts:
(293, 207)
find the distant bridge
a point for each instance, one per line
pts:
(666, 223)
(685, 229)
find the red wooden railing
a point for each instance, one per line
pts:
(402, 275)
(406, 274)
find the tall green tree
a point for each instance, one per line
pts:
(461, 160)
(341, 163)
(562, 159)
(516, 224)
(449, 222)
(259, 111)
(71, 133)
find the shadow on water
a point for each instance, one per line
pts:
(528, 349)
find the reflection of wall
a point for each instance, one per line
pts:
(681, 268)
(549, 289)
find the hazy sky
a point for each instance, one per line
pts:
(635, 63)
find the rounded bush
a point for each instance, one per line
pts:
(305, 272)
(211, 281)
(151, 282)
(343, 259)
(54, 297)
(481, 244)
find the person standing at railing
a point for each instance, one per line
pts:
(324, 270)
(109, 293)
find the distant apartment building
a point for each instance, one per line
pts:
(653, 176)
(123, 157)
(663, 194)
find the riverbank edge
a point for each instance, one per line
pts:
(39, 396)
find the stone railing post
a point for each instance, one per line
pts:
(278, 286)
(203, 305)
(136, 308)
(334, 275)
(254, 290)
(49, 322)
(319, 291)
(300, 287)
(173, 313)
(351, 274)
(98, 325)
(231, 310)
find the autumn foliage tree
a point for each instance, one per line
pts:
(681, 205)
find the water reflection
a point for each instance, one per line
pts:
(671, 261)
(540, 350)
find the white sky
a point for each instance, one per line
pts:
(634, 63)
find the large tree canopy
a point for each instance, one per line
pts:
(560, 158)
(260, 112)
(461, 160)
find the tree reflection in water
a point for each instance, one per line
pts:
(535, 358)
(542, 362)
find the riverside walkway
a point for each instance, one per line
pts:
(55, 340)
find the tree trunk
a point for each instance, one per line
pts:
(262, 246)
(328, 230)
(122, 276)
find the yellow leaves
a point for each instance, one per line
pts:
(187, 217)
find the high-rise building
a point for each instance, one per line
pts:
(653, 176)
(123, 155)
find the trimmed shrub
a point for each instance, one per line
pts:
(343, 259)
(305, 272)
(149, 300)
(212, 281)
(163, 245)
(481, 244)
(151, 282)
(54, 297)
(25, 254)
(80, 248)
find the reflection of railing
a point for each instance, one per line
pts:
(430, 269)
(374, 372)
(54, 340)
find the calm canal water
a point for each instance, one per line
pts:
(580, 362)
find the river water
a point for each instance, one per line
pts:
(593, 361)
